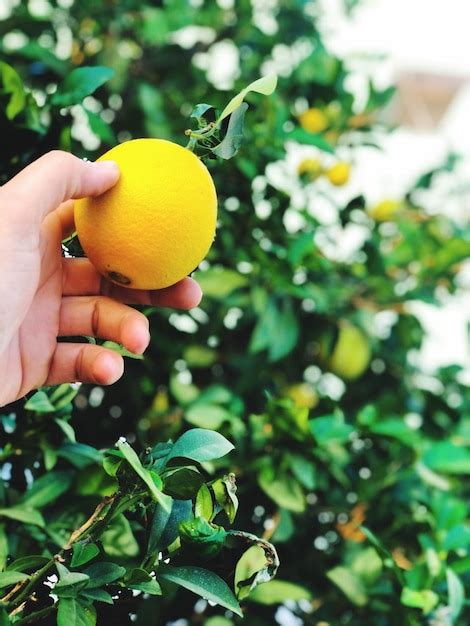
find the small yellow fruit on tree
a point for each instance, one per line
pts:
(314, 120)
(339, 174)
(385, 210)
(157, 223)
(310, 168)
(351, 353)
(303, 395)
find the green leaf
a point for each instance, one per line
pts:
(155, 25)
(426, 600)
(47, 489)
(151, 587)
(25, 563)
(199, 356)
(63, 395)
(103, 573)
(182, 511)
(83, 552)
(102, 130)
(303, 136)
(13, 85)
(117, 347)
(160, 519)
(265, 85)
(457, 538)
(80, 455)
(249, 565)
(448, 458)
(367, 565)
(204, 538)
(67, 429)
(96, 595)
(70, 584)
(8, 579)
(200, 445)
(3, 547)
(40, 403)
(233, 139)
(136, 464)
(204, 506)
(24, 515)
(4, 619)
(456, 592)
(118, 539)
(204, 583)
(74, 613)
(319, 67)
(283, 490)
(330, 428)
(225, 490)
(396, 429)
(200, 110)
(32, 50)
(304, 470)
(350, 584)
(81, 82)
(219, 282)
(111, 465)
(278, 591)
(216, 620)
(277, 330)
(207, 416)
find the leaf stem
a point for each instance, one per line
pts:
(93, 521)
(37, 615)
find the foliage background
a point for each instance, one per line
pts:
(389, 449)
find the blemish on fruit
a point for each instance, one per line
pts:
(119, 278)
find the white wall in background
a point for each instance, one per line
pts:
(419, 35)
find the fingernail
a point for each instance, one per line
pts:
(108, 166)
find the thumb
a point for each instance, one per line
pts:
(53, 178)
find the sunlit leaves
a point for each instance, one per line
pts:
(80, 83)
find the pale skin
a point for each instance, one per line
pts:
(44, 296)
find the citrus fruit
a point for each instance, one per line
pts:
(313, 120)
(385, 210)
(303, 395)
(157, 223)
(351, 353)
(311, 168)
(339, 174)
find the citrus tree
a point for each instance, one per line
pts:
(348, 456)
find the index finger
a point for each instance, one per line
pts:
(50, 180)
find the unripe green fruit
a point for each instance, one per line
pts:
(351, 353)
(303, 395)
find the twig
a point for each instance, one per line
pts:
(37, 615)
(15, 589)
(90, 521)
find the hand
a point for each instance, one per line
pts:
(44, 296)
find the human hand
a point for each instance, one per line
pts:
(44, 296)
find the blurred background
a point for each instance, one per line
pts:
(332, 344)
(427, 56)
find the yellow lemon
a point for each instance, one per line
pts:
(351, 353)
(311, 168)
(314, 120)
(359, 120)
(339, 174)
(157, 223)
(385, 211)
(303, 395)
